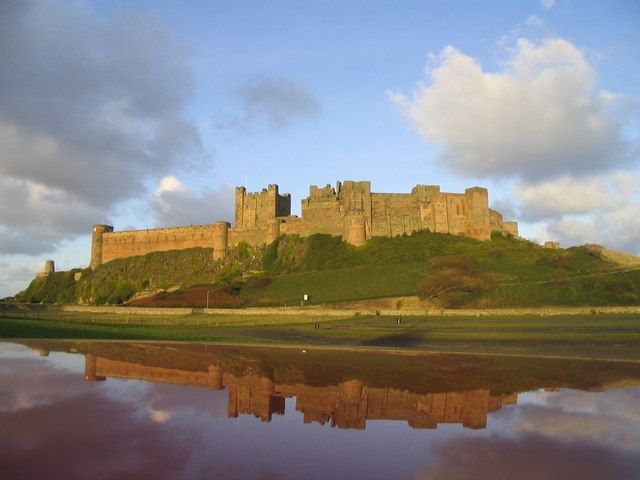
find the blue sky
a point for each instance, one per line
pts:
(149, 114)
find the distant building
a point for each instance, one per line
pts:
(49, 267)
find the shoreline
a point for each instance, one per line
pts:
(319, 311)
(404, 351)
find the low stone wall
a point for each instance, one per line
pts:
(319, 311)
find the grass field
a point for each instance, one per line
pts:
(598, 336)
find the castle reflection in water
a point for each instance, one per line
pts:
(348, 404)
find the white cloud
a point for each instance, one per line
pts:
(174, 204)
(600, 209)
(598, 418)
(570, 195)
(169, 184)
(617, 229)
(547, 4)
(539, 116)
(157, 415)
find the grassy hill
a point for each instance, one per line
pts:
(445, 270)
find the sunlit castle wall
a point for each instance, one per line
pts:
(350, 210)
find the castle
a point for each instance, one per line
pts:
(350, 210)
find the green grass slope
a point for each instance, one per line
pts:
(446, 270)
(514, 272)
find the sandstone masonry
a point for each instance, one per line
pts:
(350, 210)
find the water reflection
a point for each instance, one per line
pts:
(345, 405)
(115, 410)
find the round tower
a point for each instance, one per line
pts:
(356, 228)
(220, 239)
(273, 230)
(96, 244)
(49, 267)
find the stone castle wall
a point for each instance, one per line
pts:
(350, 210)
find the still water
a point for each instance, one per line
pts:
(116, 410)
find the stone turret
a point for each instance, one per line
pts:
(96, 244)
(220, 239)
(478, 218)
(254, 209)
(356, 228)
(49, 267)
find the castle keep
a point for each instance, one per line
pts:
(350, 210)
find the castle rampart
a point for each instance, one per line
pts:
(350, 210)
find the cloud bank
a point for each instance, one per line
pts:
(540, 116)
(89, 108)
(597, 209)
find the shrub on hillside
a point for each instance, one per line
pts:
(259, 282)
(120, 293)
(284, 255)
(192, 298)
(559, 261)
(463, 263)
(594, 249)
(325, 252)
(452, 287)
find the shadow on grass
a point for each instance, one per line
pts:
(405, 339)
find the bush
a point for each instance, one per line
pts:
(555, 261)
(243, 250)
(121, 293)
(452, 287)
(284, 255)
(464, 263)
(195, 297)
(325, 252)
(259, 282)
(594, 249)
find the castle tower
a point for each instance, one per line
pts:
(241, 194)
(273, 230)
(477, 201)
(254, 209)
(49, 267)
(356, 231)
(96, 244)
(220, 239)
